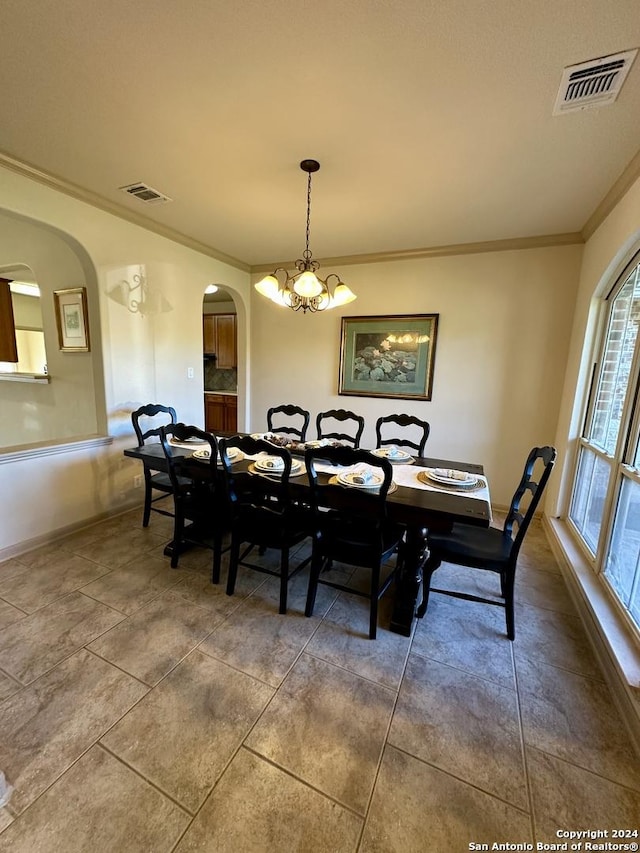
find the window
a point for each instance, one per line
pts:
(22, 348)
(605, 505)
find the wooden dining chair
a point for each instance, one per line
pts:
(147, 422)
(350, 525)
(327, 430)
(286, 419)
(488, 548)
(200, 508)
(411, 432)
(262, 513)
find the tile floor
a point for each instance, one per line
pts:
(141, 709)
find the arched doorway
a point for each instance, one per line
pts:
(220, 360)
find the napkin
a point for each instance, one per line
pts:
(362, 476)
(274, 462)
(451, 474)
(393, 452)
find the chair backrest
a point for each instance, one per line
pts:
(364, 508)
(181, 465)
(417, 429)
(517, 518)
(265, 500)
(148, 420)
(276, 420)
(343, 416)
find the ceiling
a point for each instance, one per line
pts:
(432, 121)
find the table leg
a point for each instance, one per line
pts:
(408, 581)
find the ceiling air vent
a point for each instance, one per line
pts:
(594, 83)
(145, 193)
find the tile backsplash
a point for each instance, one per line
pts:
(218, 378)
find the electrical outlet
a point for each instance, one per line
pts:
(189, 372)
(137, 481)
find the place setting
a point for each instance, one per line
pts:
(451, 478)
(394, 455)
(361, 477)
(273, 466)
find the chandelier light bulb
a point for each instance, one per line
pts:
(342, 295)
(307, 285)
(269, 287)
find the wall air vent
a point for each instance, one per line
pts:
(595, 83)
(145, 193)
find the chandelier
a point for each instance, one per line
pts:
(304, 290)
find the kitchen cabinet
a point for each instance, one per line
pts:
(220, 413)
(219, 338)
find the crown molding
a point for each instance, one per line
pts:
(611, 199)
(70, 189)
(513, 244)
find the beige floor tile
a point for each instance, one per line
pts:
(256, 808)
(116, 551)
(45, 727)
(101, 805)
(40, 556)
(573, 717)
(39, 585)
(555, 638)
(8, 686)
(467, 635)
(417, 808)
(465, 725)
(9, 614)
(568, 797)
(544, 589)
(5, 819)
(154, 639)
(204, 709)
(15, 566)
(327, 726)
(258, 640)
(197, 588)
(136, 584)
(343, 639)
(38, 642)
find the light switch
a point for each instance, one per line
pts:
(189, 372)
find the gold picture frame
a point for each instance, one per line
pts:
(388, 356)
(72, 319)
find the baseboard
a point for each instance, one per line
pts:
(613, 644)
(60, 532)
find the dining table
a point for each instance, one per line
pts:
(417, 502)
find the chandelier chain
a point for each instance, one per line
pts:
(307, 253)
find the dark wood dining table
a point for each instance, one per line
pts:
(418, 510)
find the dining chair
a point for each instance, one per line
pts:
(350, 525)
(276, 420)
(147, 422)
(488, 548)
(343, 416)
(197, 495)
(263, 514)
(412, 432)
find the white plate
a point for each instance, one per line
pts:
(450, 481)
(401, 456)
(269, 469)
(201, 454)
(346, 479)
(190, 442)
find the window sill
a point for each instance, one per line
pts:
(39, 378)
(614, 642)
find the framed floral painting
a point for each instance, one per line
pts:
(72, 319)
(391, 356)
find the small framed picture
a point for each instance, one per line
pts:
(389, 356)
(72, 319)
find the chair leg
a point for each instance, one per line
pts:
(284, 579)
(217, 557)
(178, 532)
(314, 574)
(429, 568)
(146, 514)
(234, 556)
(373, 608)
(508, 606)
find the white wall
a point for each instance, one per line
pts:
(135, 359)
(505, 321)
